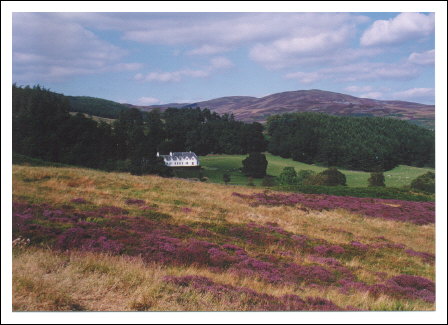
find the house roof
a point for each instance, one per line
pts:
(180, 156)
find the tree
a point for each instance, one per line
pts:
(376, 179)
(268, 181)
(255, 165)
(328, 177)
(303, 175)
(288, 176)
(226, 178)
(425, 183)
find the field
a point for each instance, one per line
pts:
(97, 241)
(215, 165)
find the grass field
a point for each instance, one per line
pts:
(215, 165)
(115, 242)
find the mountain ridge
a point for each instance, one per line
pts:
(251, 109)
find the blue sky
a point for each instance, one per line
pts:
(156, 58)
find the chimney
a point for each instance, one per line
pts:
(157, 154)
(171, 153)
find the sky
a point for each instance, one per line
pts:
(158, 58)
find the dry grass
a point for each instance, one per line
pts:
(47, 280)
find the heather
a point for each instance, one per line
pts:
(408, 211)
(85, 240)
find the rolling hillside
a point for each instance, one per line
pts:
(86, 240)
(258, 109)
(249, 109)
(215, 165)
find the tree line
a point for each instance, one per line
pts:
(43, 128)
(356, 143)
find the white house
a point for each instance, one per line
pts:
(180, 159)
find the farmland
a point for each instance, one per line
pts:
(91, 240)
(215, 165)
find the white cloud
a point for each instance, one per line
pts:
(148, 101)
(304, 77)
(372, 95)
(358, 89)
(215, 64)
(45, 48)
(405, 26)
(207, 49)
(286, 49)
(423, 58)
(220, 62)
(358, 72)
(415, 93)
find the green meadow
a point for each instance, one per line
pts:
(214, 166)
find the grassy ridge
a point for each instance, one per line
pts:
(216, 165)
(46, 279)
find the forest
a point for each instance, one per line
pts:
(43, 128)
(356, 143)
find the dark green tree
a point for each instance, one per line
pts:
(303, 175)
(255, 165)
(328, 177)
(376, 179)
(288, 176)
(226, 178)
(425, 183)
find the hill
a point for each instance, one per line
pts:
(215, 165)
(97, 241)
(250, 109)
(96, 106)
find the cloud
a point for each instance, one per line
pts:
(358, 72)
(148, 101)
(415, 93)
(208, 50)
(287, 49)
(405, 26)
(215, 64)
(45, 48)
(358, 89)
(274, 39)
(423, 58)
(372, 95)
(304, 77)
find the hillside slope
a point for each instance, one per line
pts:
(258, 109)
(111, 241)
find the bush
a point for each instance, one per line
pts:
(425, 183)
(226, 178)
(376, 179)
(255, 165)
(268, 181)
(329, 177)
(288, 176)
(303, 175)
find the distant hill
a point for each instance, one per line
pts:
(96, 106)
(250, 109)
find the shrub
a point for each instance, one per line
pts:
(226, 178)
(288, 176)
(376, 179)
(425, 183)
(328, 177)
(255, 165)
(268, 181)
(303, 175)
